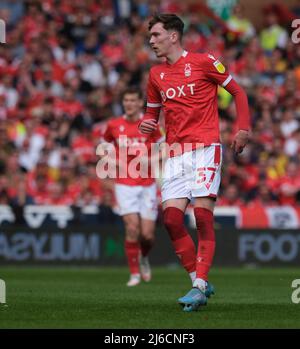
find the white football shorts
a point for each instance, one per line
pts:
(193, 174)
(137, 199)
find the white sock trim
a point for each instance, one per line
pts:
(193, 276)
(200, 283)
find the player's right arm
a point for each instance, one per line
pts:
(106, 149)
(108, 136)
(149, 124)
(106, 141)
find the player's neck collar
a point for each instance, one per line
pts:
(183, 55)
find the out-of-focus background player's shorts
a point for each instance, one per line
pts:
(137, 199)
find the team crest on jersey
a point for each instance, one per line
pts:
(219, 66)
(187, 70)
(121, 128)
(162, 75)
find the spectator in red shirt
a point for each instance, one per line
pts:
(113, 48)
(289, 185)
(58, 194)
(83, 146)
(231, 197)
(40, 192)
(263, 197)
(68, 105)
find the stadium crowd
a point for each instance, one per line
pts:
(64, 67)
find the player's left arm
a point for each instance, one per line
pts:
(241, 138)
(216, 72)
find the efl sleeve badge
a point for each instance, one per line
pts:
(219, 66)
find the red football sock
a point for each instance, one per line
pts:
(146, 245)
(206, 241)
(132, 250)
(182, 242)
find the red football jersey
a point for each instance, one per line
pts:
(187, 92)
(121, 126)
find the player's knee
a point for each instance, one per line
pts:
(204, 222)
(173, 218)
(132, 230)
(147, 239)
(203, 216)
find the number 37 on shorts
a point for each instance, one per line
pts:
(193, 174)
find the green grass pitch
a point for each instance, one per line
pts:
(98, 298)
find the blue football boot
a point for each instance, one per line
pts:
(193, 300)
(210, 290)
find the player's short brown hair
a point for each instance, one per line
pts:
(132, 90)
(169, 21)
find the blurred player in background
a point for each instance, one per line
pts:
(136, 197)
(185, 86)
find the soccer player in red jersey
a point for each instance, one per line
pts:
(136, 196)
(185, 87)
